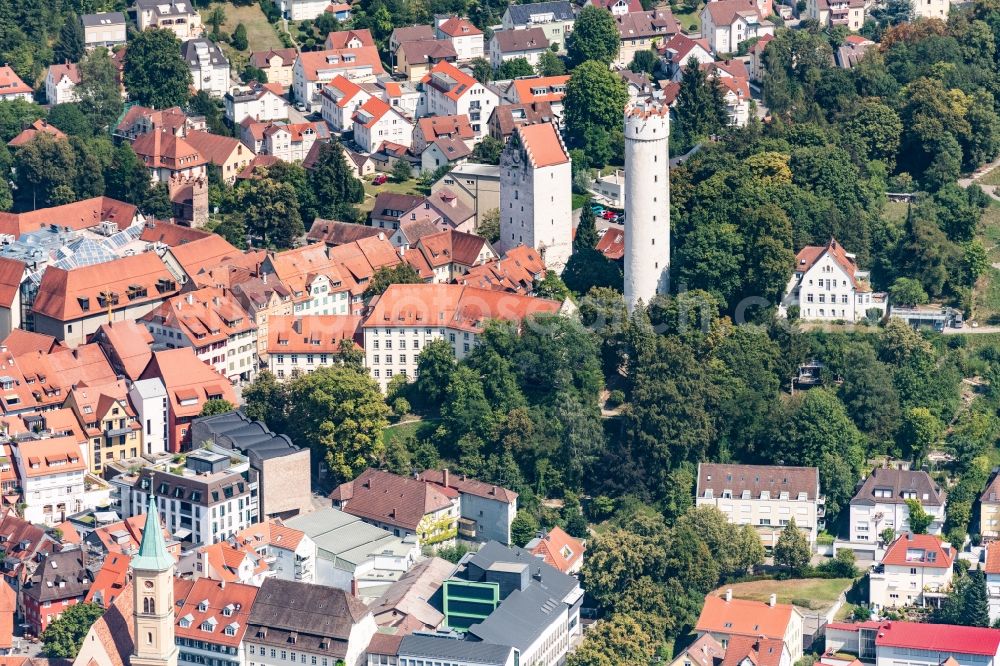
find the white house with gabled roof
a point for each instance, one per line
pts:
(827, 285)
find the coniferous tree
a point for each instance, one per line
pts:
(975, 602)
(70, 46)
(586, 230)
(701, 108)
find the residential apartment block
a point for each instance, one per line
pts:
(179, 16)
(213, 323)
(205, 501)
(406, 318)
(401, 505)
(916, 570)
(764, 496)
(880, 503)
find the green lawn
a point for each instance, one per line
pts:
(820, 592)
(403, 430)
(690, 21)
(260, 33)
(371, 191)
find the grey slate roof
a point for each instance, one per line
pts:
(107, 18)
(898, 481)
(444, 648)
(60, 576)
(561, 11)
(190, 48)
(528, 610)
(520, 618)
(312, 618)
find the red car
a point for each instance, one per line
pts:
(608, 214)
(379, 179)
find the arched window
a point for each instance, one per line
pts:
(148, 605)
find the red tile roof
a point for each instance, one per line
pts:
(75, 216)
(458, 27)
(371, 112)
(11, 275)
(204, 316)
(203, 253)
(740, 617)
(347, 89)
(918, 550)
(202, 610)
(157, 231)
(515, 272)
(724, 12)
(128, 344)
(189, 381)
(612, 244)
(42, 457)
(11, 83)
(124, 537)
(559, 549)
(214, 147)
(262, 59)
(320, 334)
(161, 148)
(464, 484)
(110, 581)
(453, 306)
(450, 80)
(314, 62)
(70, 70)
(766, 652)
(40, 126)
(450, 246)
(543, 144)
(992, 558)
(21, 342)
(115, 630)
(340, 39)
(66, 295)
(433, 127)
(8, 605)
(939, 638)
(540, 89)
(392, 499)
(810, 254)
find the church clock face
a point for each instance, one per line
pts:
(149, 585)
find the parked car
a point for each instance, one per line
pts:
(597, 210)
(609, 214)
(379, 179)
(300, 106)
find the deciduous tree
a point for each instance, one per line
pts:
(792, 550)
(63, 637)
(155, 73)
(594, 37)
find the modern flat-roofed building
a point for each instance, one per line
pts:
(205, 501)
(284, 468)
(764, 496)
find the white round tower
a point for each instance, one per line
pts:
(647, 201)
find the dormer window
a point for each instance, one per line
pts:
(203, 606)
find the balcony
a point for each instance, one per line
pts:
(467, 528)
(117, 432)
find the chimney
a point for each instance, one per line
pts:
(444, 476)
(381, 236)
(190, 298)
(222, 584)
(773, 600)
(729, 594)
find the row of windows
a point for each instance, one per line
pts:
(286, 655)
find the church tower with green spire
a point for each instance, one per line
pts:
(153, 597)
